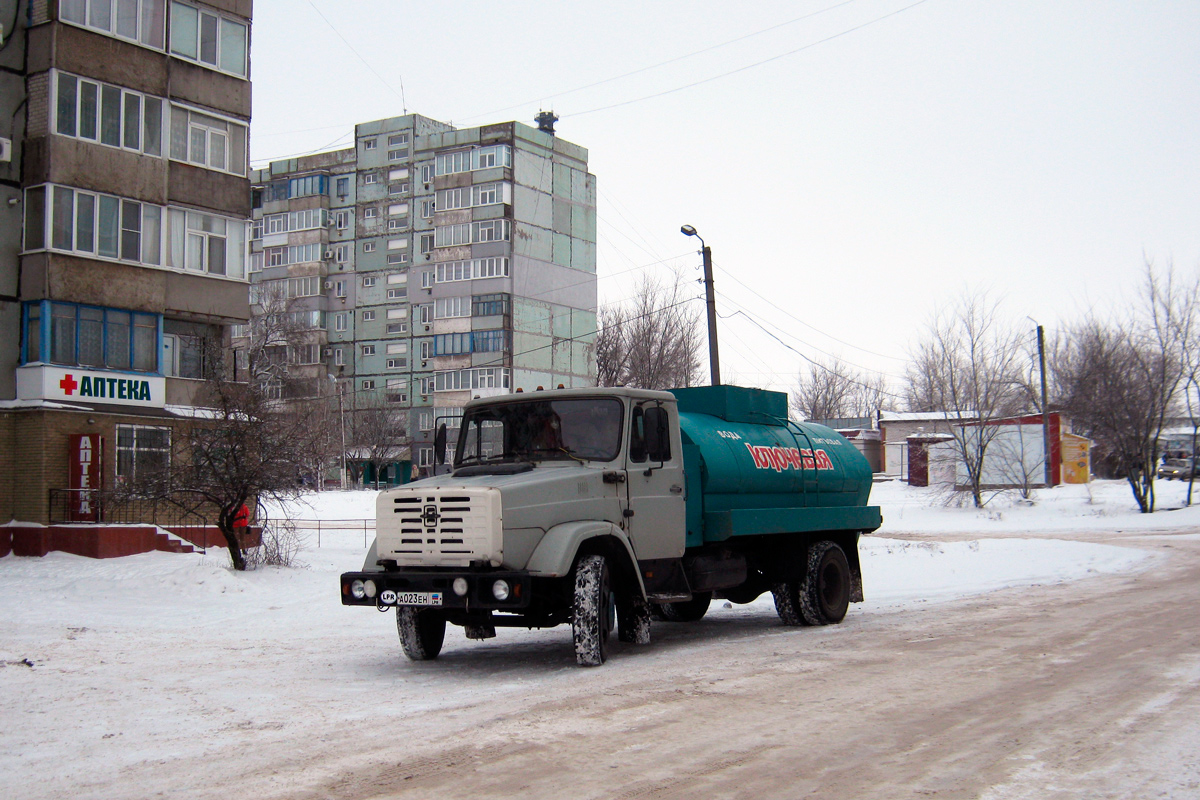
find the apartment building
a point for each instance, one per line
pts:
(124, 209)
(428, 265)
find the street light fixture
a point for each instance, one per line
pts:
(714, 364)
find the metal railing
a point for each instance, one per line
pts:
(323, 528)
(100, 506)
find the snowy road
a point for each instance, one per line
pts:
(1090, 690)
(165, 675)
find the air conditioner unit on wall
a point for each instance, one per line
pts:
(328, 284)
(328, 255)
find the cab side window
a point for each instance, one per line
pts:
(650, 438)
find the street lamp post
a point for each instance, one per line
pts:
(714, 364)
(342, 424)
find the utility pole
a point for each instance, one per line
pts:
(1041, 341)
(342, 423)
(714, 363)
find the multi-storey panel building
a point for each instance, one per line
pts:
(123, 230)
(446, 264)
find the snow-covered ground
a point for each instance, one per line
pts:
(107, 666)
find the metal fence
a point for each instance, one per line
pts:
(98, 506)
(335, 529)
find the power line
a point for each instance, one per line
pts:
(683, 57)
(748, 66)
(400, 94)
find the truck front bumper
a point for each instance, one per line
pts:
(499, 591)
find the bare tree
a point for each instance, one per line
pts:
(968, 367)
(831, 389)
(378, 434)
(241, 449)
(654, 343)
(1122, 380)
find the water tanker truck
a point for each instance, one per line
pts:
(605, 508)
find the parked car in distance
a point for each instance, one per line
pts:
(1176, 469)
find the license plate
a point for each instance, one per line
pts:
(418, 598)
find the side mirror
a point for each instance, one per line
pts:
(439, 444)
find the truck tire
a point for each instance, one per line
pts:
(592, 611)
(687, 611)
(422, 632)
(822, 596)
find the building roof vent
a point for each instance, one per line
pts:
(545, 121)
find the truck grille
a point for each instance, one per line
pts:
(446, 527)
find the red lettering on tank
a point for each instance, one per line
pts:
(823, 461)
(782, 459)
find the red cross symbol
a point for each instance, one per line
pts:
(68, 384)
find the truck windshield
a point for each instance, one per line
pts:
(583, 429)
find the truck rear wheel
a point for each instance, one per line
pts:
(822, 595)
(422, 632)
(592, 611)
(687, 611)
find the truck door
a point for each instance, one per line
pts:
(655, 519)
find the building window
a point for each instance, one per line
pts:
(397, 294)
(370, 212)
(398, 153)
(426, 242)
(397, 363)
(308, 186)
(397, 348)
(342, 187)
(90, 336)
(209, 39)
(256, 262)
(449, 344)
(368, 384)
(487, 305)
(142, 452)
(486, 194)
(140, 21)
(368, 349)
(397, 139)
(452, 235)
(489, 341)
(256, 229)
(304, 354)
(427, 207)
(370, 178)
(426, 349)
(397, 258)
(338, 359)
(398, 313)
(395, 189)
(397, 327)
(478, 378)
(499, 155)
(492, 230)
(339, 289)
(397, 223)
(340, 321)
(368, 316)
(109, 115)
(448, 307)
(470, 270)
(208, 141)
(341, 253)
(369, 144)
(427, 279)
(341, 219)
(369, 282)
(368, 247)
(397, 244)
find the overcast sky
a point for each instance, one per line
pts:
(853, 164)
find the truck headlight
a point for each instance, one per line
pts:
(358, 590)
(369, 588)
(500, 590)
(460, 587)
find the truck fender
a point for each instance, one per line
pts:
(369, 564)
(555, 555)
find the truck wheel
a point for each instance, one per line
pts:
(826, 593)
(822, 596)
(687, 611)
(592, 611)
(422, 632)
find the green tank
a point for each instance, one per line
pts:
(752, 471)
